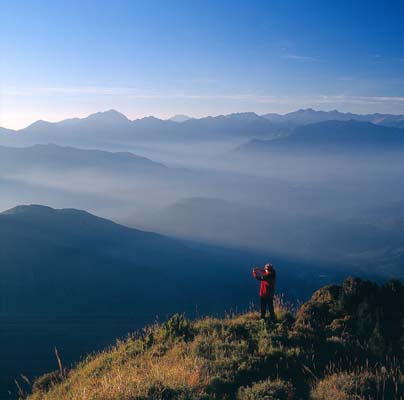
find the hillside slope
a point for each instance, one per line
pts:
(346, 342)
(71, 262)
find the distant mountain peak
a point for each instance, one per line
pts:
(39, 124)
(244, 115)
(45, 212)
(180, 118)
(149, 118)
(109, 116)
(28, 209)
(305, 111)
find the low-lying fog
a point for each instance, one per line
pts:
(331, 208)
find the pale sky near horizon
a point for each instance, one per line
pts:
(62, 59)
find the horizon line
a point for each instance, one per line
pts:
(191, 117)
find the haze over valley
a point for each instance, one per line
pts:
(322, 191)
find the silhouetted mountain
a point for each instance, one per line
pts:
(180, 118)
(110, 127)
(333, 135)
(5, 131)
(102, 127)
(55, 157)
(108, 117)
(309, 116)
(69, 261)
(246, 124)
(113, 127)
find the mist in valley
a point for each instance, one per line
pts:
(326, 208)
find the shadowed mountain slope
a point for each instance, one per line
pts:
(69, 261)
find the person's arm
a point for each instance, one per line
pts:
(255, 274)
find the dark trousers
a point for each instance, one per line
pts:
(267, 303)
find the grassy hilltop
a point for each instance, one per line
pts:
(346, 342)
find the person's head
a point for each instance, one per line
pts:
(268, 267)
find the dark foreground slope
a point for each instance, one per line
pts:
(344, 343)
(71, 262)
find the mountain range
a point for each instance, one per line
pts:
(310, 116)
(333, 135)
(113, 127)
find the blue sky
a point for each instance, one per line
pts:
(61, 59)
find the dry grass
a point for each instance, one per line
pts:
(145, 365)
(118, 375)
(365, 383)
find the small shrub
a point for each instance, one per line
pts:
(364, 385)
(45, 382)
(177, 327)
(284, 310)
(219, 386)
(238, 331)
(267, 390)
(158, 391)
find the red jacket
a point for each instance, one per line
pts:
(267, 287)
